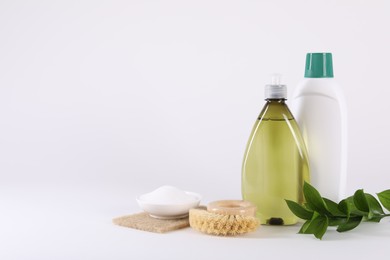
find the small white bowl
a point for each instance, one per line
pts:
(169, 211)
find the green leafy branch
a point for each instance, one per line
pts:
(320, 213)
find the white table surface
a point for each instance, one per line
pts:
(64, 221)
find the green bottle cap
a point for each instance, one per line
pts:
(319, 65)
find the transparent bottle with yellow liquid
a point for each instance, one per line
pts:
(275, 164)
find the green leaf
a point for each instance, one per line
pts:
(333, 208)
(360, 201)
(384, 197)
(314, 199)
(350, 224)
(352, 207)
(374, 205)
(344, 207)
(374, 218)
(307, 206)
(347, 214)
(317, 226)
(304, 227)
(336, 221)
(299, 210)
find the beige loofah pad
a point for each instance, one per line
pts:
(143, 221)
(218, 224)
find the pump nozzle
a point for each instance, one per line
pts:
(276, 90)
(276, 79)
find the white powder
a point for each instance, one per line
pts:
(168, 195)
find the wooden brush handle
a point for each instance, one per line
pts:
(232, 207)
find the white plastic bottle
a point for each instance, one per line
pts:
(319, 107)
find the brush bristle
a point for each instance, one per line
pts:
(222, 225)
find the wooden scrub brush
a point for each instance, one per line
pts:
(225, 218)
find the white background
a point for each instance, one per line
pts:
(101, 101)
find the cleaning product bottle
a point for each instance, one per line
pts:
(320, 110)
(275, 163)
